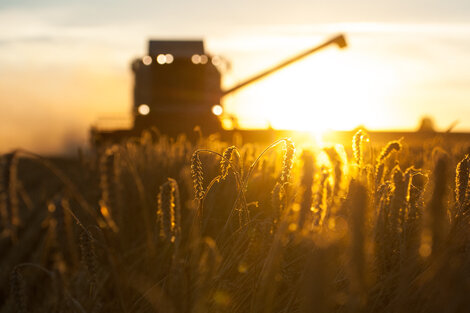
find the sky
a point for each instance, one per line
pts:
(64, 65)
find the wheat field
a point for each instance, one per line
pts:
(165, 225)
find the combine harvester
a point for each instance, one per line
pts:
(177, 87)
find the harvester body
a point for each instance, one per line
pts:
(177, 86)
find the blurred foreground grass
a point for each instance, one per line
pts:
(160, 225)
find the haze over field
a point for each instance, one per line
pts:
(64, 64)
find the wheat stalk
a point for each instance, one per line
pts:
(17, 287)
(89, 258)
(357, 146)
(461, 180)
(109, 185)
(225, 161)
(306, 184)
(388, 149)
(337, 163)
(197, 176)
(436, 221)
(9, 206)
(288, 160)
(169, 211)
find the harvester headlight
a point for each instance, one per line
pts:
(161, 59)
(169, 58)
(217, 110)
(165, 58)
(196, 59)
(204, 59)
(147, 60)
(143, 109)
(216, 61)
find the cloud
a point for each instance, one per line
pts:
(27, 40)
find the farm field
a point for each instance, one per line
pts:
(165, 225)
(234, 156)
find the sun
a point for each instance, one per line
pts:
(331, 90)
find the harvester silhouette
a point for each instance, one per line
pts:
(177, 87)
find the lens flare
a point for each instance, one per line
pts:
(147, 60)
(161, 59)
(217, 110)
(204, 59)
(143, 109)
(169, 58)
(196, 59)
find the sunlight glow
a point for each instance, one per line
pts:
(330, 90)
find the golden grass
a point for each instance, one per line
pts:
(164, 225)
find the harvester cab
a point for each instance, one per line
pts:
(177, 87)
